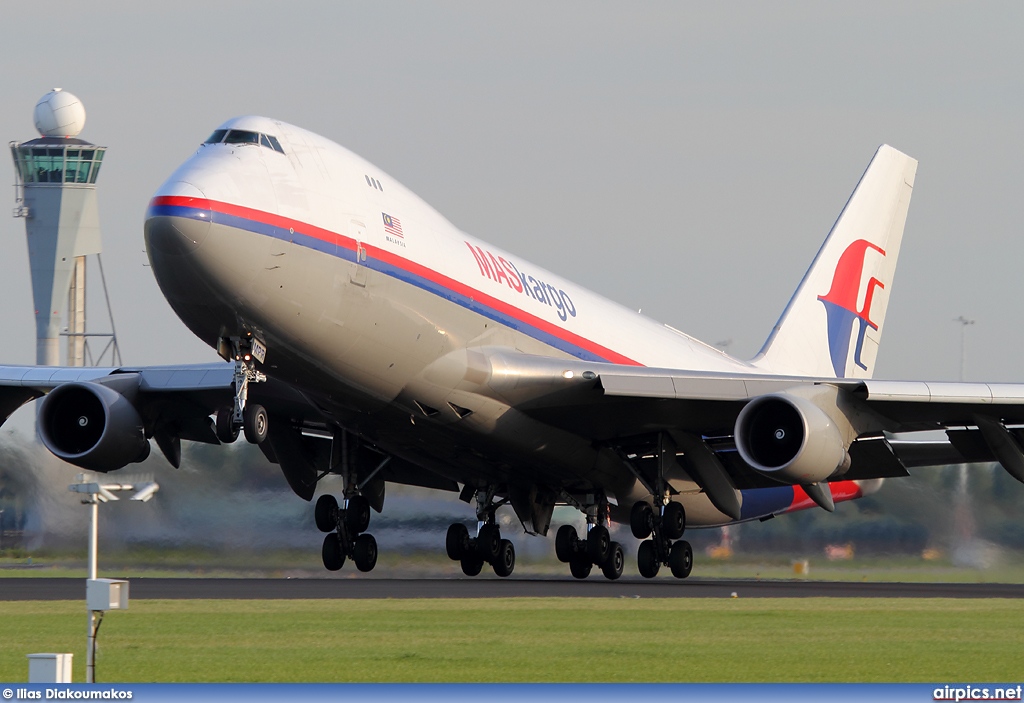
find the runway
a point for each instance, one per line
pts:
(16, 589)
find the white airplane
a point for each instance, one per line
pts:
(367, 336)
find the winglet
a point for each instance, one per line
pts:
(833, 324)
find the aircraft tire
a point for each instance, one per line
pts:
(255, 423)
(566, 540)
(471, 564)
(326, 513)
(364, 552)
(488, 543)
(580, 567)
(613, 565)
(226, 431)
(357, 514)
(680, 559)
(599, 542)
(641, 519)
(456, 541)
(673, 520)
(332, 553)
(505, 564)
(647, 559)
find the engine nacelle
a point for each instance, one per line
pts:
(92, 426)
(790, 439)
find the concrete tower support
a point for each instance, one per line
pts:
(62, 228)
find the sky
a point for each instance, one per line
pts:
(682, 158)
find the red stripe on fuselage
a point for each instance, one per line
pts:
(407, 265)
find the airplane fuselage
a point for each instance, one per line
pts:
(372, 303)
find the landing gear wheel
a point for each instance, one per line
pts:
(673, 520)
(506, 561)
(456, 542)
(255, 423)
(326, 513)
(357, 514)
(641, 519)
(332, 553)
(471, 564)
(364, 552)
(599, 542)
(580, 567)
(226, 430)
(680, 559)
(488, 543)
(565, 543)
(647, 559)
(612, 567)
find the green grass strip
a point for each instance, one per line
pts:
(530, 640)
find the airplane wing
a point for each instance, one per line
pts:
(170, 400)
(633, 408)
(172, 403)
(168, 393)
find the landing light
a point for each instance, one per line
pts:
(567, 374)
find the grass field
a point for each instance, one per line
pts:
(605, 640)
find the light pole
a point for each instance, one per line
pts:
(103, 594)
(962, 518)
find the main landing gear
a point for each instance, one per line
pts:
(582, 555)
(250, 418)
(595, 549)
(346, 532)
(664, 546)
(487, 547)
(346, 524)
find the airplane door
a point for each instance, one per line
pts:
(357, 231)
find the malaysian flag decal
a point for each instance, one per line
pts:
(392, 225)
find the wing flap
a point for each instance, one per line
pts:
(944, 392)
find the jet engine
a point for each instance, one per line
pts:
(790, 439)
(92, 426)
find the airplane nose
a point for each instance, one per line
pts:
(178, 220)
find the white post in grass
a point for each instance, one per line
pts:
(103, 594)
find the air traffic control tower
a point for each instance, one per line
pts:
(56, 194)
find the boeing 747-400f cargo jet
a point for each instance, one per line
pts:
(365, 335)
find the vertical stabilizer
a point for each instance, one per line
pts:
(833, 324)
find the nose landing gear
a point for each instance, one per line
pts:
(249, 418)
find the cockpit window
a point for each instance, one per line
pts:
(241, 136)
(275, 144)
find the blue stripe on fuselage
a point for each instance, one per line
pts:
(391, 270)
(759, 502)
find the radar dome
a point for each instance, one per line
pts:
(59, 114)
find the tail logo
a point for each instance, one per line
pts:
(841, 305)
